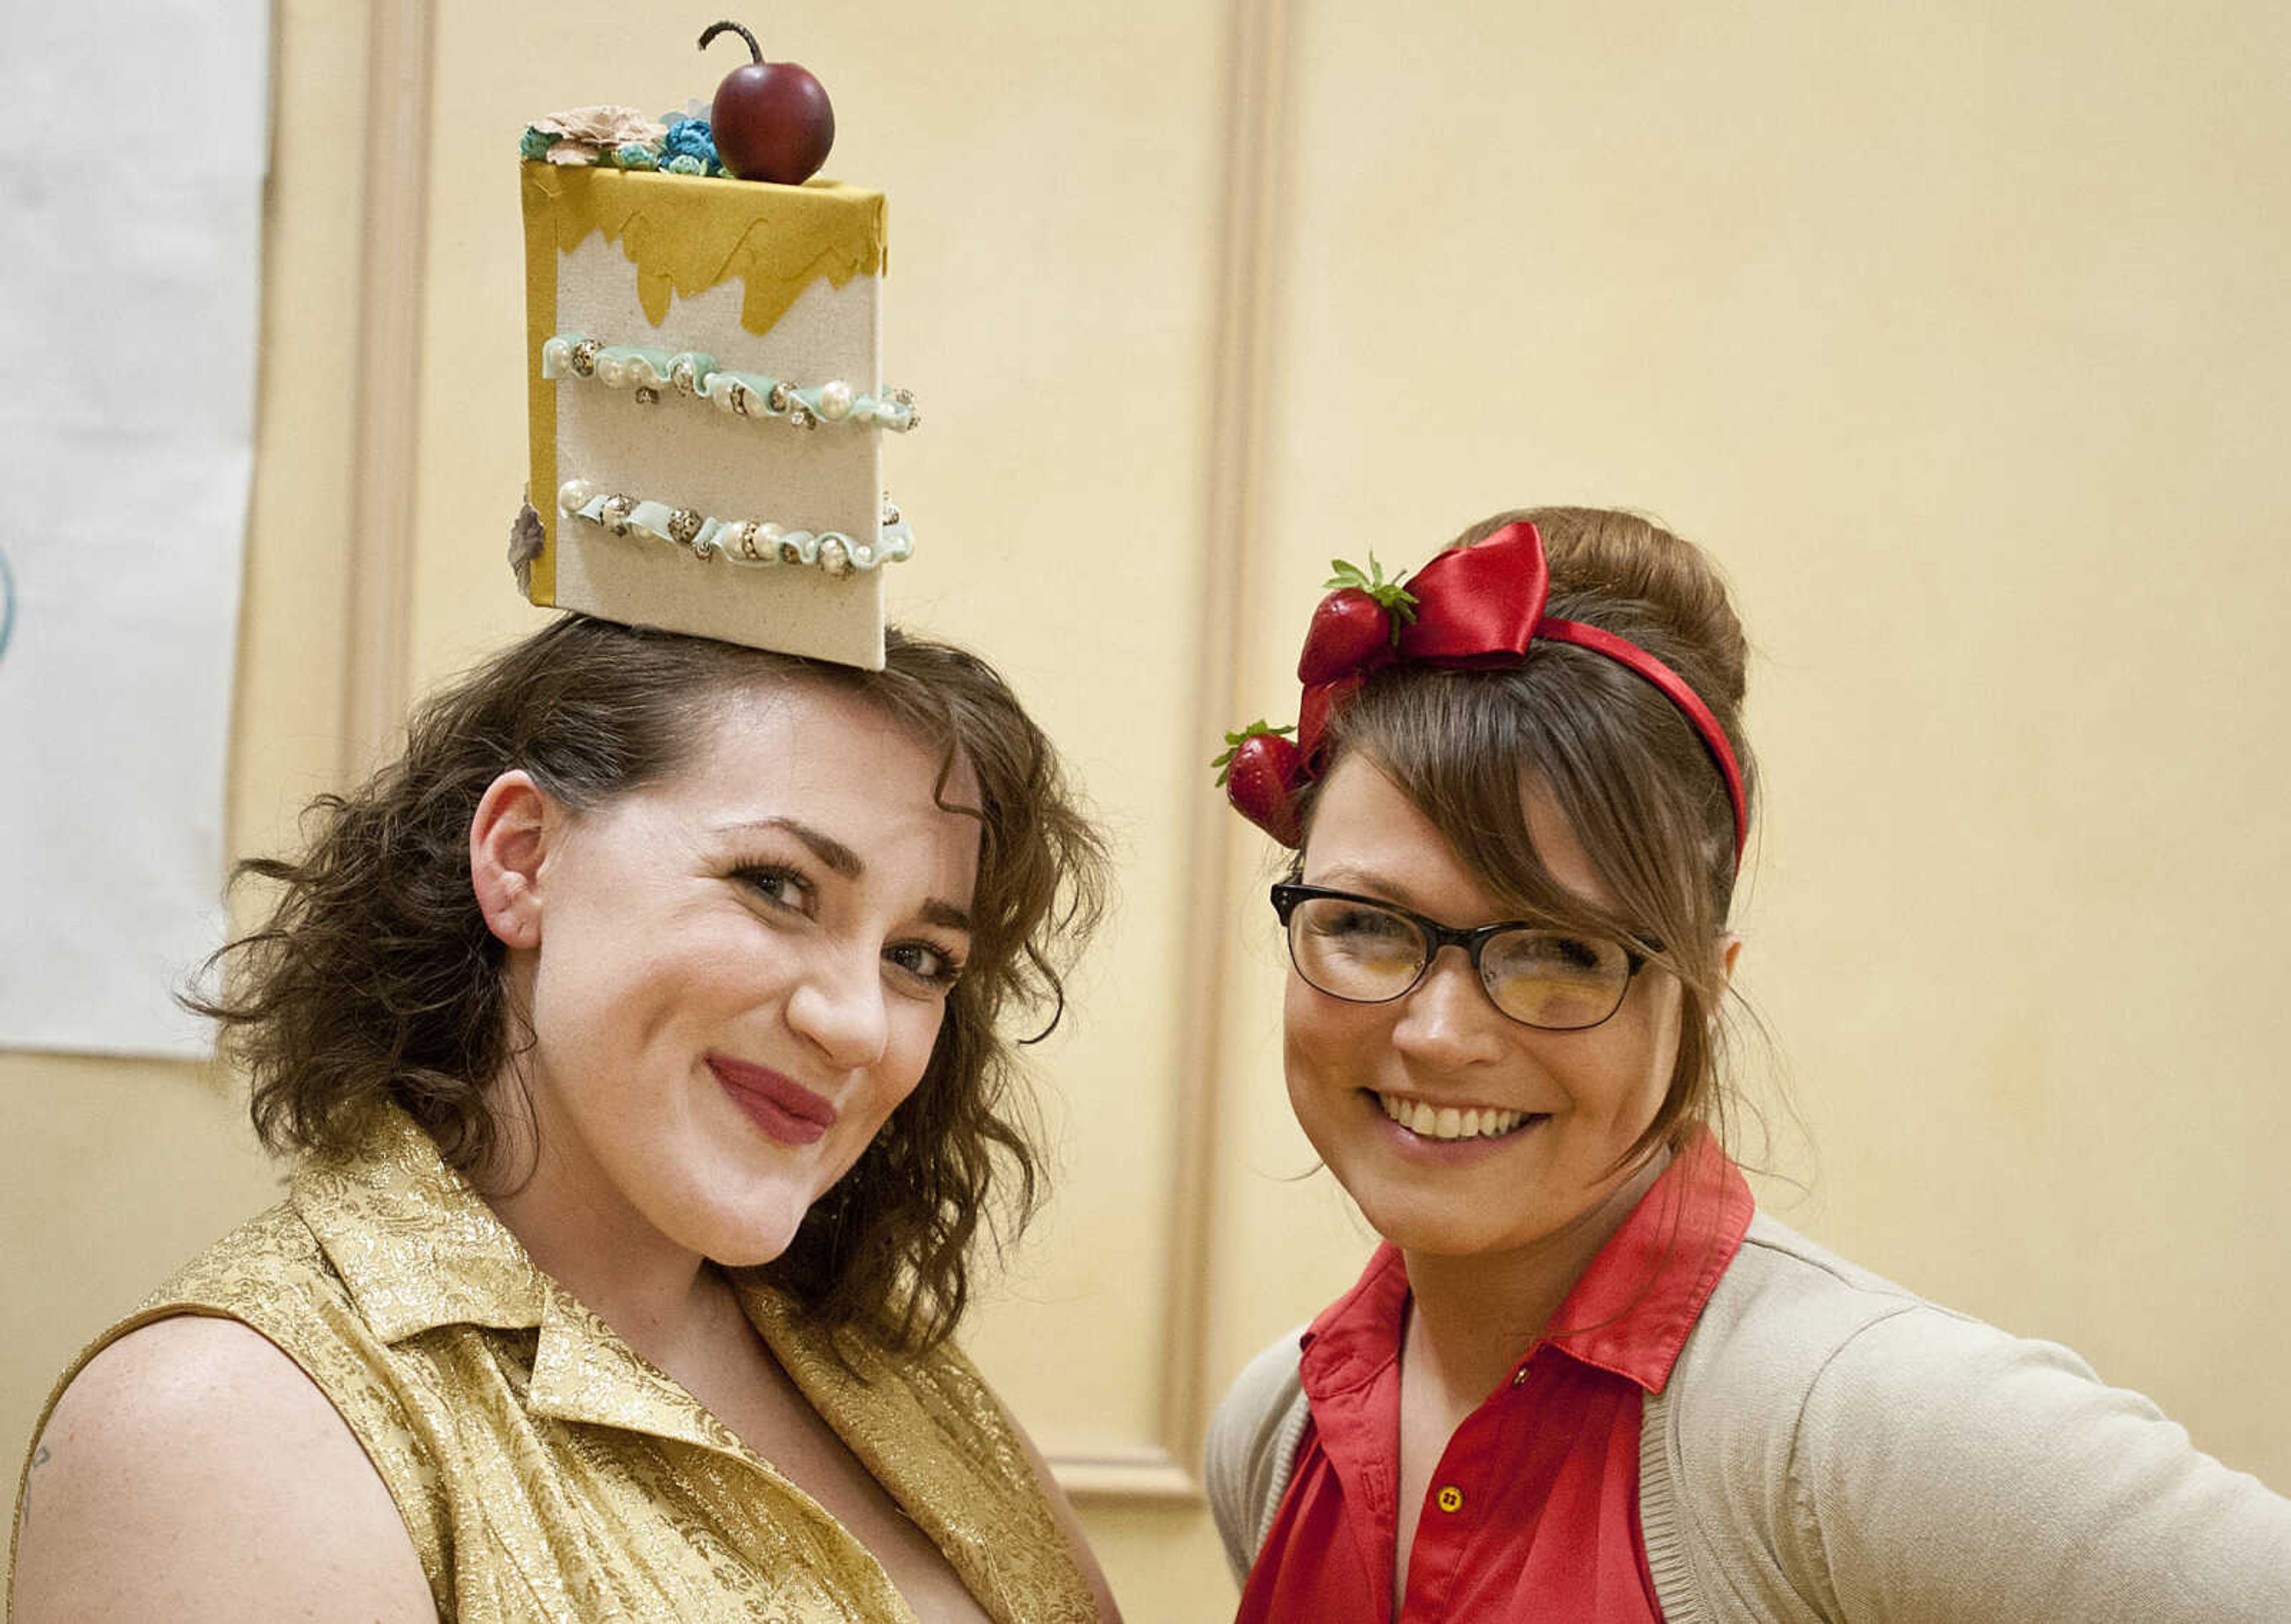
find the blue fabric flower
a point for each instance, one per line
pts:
(684, 163)
(534, 145)
(691, 137)
(635, 154)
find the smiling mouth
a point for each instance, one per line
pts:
(1451, 1122)
(783, 1107)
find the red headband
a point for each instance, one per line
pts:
(1474, 607)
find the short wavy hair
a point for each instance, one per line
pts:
(374, 977)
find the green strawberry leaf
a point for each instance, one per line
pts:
(1398, 603)
(1234, 740)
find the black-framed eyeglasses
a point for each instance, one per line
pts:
(1367, 951)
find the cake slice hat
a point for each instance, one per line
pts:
(705, 402)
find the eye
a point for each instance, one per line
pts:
(925, 964)
(1552, 952)
(1573, 951)
(1351, 922)
(1358, 933)
(777, 884)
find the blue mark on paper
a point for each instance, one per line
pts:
(7, 603)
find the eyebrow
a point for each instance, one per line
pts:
(946, 915)
(845, 863)
(1368, 883)
(1379, 887)
(839, 858)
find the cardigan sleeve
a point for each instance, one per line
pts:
(1941, 1470)
(1252, 1450)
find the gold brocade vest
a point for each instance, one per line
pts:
(545, 1470)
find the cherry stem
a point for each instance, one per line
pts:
(714, 28)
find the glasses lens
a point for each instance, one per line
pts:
(1354, 950)
(1554, 979)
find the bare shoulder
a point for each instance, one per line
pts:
(192, 1471)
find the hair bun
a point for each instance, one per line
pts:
(1627, 574)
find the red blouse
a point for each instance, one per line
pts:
(1533, 1512)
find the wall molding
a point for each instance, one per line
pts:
(378, 616)
(1134, 1475)
(1169, 1469)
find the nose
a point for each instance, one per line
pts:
(1447, 1019)
(838, 1007)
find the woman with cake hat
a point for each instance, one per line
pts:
(642, 1037)
(1582, 1378)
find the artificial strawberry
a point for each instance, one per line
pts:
(1356, 626)
(1319, 703)
(1260, 771)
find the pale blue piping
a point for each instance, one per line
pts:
(742, 393)
(717, 538)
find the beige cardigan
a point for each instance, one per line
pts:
(1830, 1447)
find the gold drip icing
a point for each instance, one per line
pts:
(685, 235)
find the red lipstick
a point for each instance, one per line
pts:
(783, 1107)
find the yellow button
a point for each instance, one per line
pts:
(1450, 1497)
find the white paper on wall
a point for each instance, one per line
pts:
(131, 214)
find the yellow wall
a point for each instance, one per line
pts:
(1956, 331)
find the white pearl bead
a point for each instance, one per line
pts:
(835, 400)
(556, 357)
(611, 373)
(575, 495)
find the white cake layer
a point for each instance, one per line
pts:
(687, 453)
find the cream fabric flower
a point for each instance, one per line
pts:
(585, 134)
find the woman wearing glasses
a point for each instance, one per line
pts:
(1582, 1378)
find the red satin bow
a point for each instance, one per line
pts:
(1479, 606)
(1475, 607)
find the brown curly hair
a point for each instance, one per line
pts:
(375, 978)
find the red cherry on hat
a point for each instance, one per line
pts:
(771, 121)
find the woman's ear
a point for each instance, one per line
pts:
(509, 836)
(1730, 949)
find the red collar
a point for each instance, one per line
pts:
(1633, 1309)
